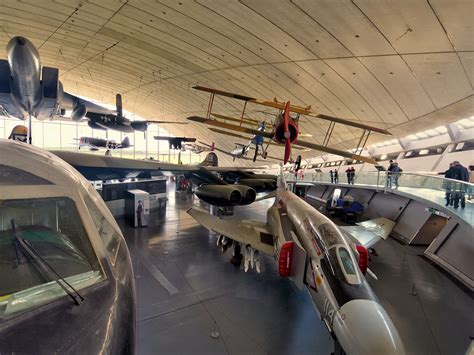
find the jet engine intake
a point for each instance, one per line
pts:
(219, 195)
(248, 194)
(79, 112)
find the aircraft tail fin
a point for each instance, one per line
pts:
(125, 143)
(210, 160)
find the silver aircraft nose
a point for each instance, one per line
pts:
(21, 48)
(364, 328)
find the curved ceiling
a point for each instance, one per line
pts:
(402, 65)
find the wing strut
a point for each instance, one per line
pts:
(362, 142)
(209, 106)
(329, 133)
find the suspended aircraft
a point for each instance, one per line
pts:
(285, 126)
(119, 122)
(94, 144)
(176, 142)
(318, 256)
(209, 187)
(197, 148)
(29, 90)
(66, 270)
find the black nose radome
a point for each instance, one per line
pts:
(21, 41)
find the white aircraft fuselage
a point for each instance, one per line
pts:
(339, 290)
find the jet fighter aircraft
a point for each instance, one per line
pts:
(285, 127)
(311, 250)
(29, 90)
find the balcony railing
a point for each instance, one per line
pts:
(428, 187)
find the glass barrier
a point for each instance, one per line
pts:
(455, 195)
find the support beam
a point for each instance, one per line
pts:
(404, 143)
(453, 132)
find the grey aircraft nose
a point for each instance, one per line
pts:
(364, 328)
(22, 51)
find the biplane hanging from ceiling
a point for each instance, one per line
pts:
(285, 126)
(240, 152)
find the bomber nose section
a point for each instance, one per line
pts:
(22, 52)
(364, 328)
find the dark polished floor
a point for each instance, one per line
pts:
(186, 289)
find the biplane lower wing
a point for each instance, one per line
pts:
(298, 142)
(334, 151)
(232, 127)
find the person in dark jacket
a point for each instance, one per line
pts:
(353, 174)
(449, 174)
(336, 177)
(459, 173)
(349, 174)
(331, 174)
(389, 174)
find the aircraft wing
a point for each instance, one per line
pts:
(297, 109)
(165, 122)
(368, 233)
(246, 232)
(98, 167)
(329, 150)
(70, 101)
(232, 127)
(220, 131)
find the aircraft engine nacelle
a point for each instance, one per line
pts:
(248, 194)
(219, 195)
(94, 125)
(259, 185)
(141, 126)
(280, 132)
(79, 112)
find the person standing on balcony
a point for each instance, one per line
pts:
(449, 174)
(353, 174)
(460, 173)
(395, 174)
(348, 173)
(389, 174)
(331, 174)
(336, 177)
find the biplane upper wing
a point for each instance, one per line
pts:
(298, 142)
(296, 109)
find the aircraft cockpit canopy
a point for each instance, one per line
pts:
(55, 232)
(40, 237)
(337, 253)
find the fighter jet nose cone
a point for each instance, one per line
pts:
(365, 328)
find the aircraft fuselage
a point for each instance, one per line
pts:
(339, 290)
